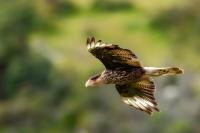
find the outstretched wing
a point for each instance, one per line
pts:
(139, 94)
(112, 56)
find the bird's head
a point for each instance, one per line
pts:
(94, 81)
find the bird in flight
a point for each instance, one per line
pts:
(122, 68)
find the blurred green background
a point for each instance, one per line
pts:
(44, 65)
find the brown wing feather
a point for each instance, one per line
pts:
(139, 94)
(111, 55)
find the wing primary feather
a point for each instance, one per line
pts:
(133, 103)
(139, 104)
(126, 101)
(93, 40)
(150, 104)
(147, 107)
(151, 101)
(88, 41)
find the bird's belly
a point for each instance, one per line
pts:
(122, 80)
(124, 77)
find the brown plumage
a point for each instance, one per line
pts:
(133, 82)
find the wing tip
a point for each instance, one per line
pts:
(141, 104)
(90, 39)
(91, 44)
(151, 110)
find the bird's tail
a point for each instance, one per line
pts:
(154, 71)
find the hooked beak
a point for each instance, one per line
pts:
(88, 83)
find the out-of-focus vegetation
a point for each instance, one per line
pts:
(44, 64)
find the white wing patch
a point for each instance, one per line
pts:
(140, 103)
(99, 44)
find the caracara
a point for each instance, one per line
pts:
(122, 68)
